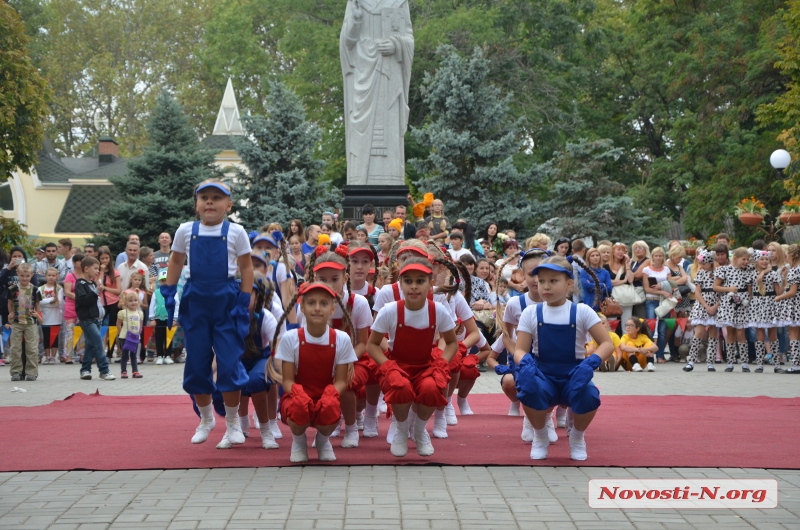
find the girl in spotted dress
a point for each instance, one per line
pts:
(789, 305)
(763, 315)
(704, 311)
(734, 283)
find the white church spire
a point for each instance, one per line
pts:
(228, 118)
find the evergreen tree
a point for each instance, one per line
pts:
(282, 181)
(157, 194)
(471, 141)
(585, 199)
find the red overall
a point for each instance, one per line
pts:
(364, 368)
(411, 374)
(313, 398)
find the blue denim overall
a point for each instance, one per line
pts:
(256, 366)
(207, 316)
(546, 383)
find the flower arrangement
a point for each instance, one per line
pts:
(791, 206)
(750, 205)
(693, 242)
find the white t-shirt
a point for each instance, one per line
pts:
(660, 276)
(125, 272)
(364, 291)
(386, 320)
(268, 326)
(498, 346)
(360, 315)
(514, 309)
(584, 319)
(386, 295)
(52, 305)
(455, 254)
(461, 309)
(280, 273)
(238, 242)
(289, 347)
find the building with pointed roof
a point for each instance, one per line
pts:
(57, 196)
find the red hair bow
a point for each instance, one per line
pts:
(342, 251)
(322, 249)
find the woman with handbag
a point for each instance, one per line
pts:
(640, 260)
(619, 268)
(591, 296)
(656, 273)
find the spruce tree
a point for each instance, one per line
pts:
(156, 194)
(282, 178)
(472, 139)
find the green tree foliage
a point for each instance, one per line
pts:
(679, 91)
(282, 178)
(23, 92)
(111, 59)
(584, 199)
(471, 140)
(157, 194)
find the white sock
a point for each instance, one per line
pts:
(576, 435)
(371, 411)
(231, 415)
(265, 430)
(419, 428)
(321, 440)
(402, 426)
(541, 433)
(300, 439)
(438, 414)
(244, 423)
(207, 413)
(351, 428)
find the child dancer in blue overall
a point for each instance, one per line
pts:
(214, 310)
(550, 353)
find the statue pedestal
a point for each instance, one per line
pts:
(381, 197)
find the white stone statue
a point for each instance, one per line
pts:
(376, 48)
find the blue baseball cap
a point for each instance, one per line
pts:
(552, 267)
(218, 185)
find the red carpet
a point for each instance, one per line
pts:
(153, 432)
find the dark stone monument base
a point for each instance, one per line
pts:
(381, 197)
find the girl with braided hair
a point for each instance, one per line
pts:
(408, 373)
(355, 317)
(315, 362)
(789, 308)
(273, 248)
(447, 278)
(553, 366)
(256, 354)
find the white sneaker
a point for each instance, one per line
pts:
(637, 368)
(463, 407)
(399, 443)
(244, 423)
(391, 432)
(256, 423)
(650, 367)
(268, 441)
(360, 420)
(539, 448)
(276, 430)
(561, 417)
(350, 439)
(86, 375)
(577, 449)
(424, 445)
(450, 414)
(168, 360)
(108, 376)
(203, 430)
(439, 426)
(324, 450)
(234, 433)
(513, 409)
(299, 452)
(160, 360)
(370, 427)
(552, 436)
(527, 430)
(338, 430)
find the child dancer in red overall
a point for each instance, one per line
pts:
(315, 360)
(409, 374)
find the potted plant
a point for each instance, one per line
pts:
(691, 246)
(790, 212)
(750, 211)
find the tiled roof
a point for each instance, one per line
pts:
(55, 170)
(82, 202)
(223, 142)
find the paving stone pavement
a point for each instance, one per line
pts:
(371, 497)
